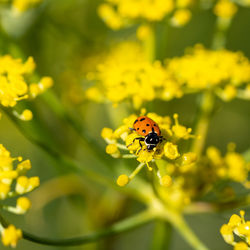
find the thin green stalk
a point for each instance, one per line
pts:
(205, 113)
(117, 228)
(220, 34)
(136, 171)
(182, 227)
(162, 235)
(149, 44)
(57, 108)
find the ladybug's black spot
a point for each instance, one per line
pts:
(155, 125)
(144, 131)
(137, 128)
(147, 124)
(135, 121)
(142, 119)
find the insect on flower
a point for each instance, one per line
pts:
(148, 128)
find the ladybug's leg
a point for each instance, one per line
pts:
(132, 129)
(137, 138)
(161, 138)
(141, 139)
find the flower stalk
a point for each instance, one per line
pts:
(205, 110)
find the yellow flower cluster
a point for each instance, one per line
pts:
(220, 70)
(14, 182)
(182, 176)
(121, 13)
(123, 138)
(14, 86)
(232, 166)
(23, 5)
(238, 226)
(127, 75)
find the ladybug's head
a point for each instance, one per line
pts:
(151, 140)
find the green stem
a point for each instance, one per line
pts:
(162, 235)
(136, 171)
(206, 109)
(119, 227)
(55, 105)
(149, 44)
(221, 28)
(182, 227)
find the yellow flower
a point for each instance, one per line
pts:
(179, 130)
(181, 17)
(25, 184)
(238, 226)
(166, 181)
(135, 148)
(117, 14)
(113, 150)
(143, 32)
(108, 14)
(236, 167)
(171, 151)
(13, 84)
(227, 233)
(241, 246)
(122, 180)
(126, 74)
(225, 9)
(11, 235)
(23, 205)
(208, 69)
(23, 5)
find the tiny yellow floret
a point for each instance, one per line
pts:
(234, 221)
(107, 133)
(241, 246)
(23, 205)
(171, 151)
(11, 235)
(166, 181)
(227, 233)
(122, 180)
(225, 9)
(181, 17)
(26, 115)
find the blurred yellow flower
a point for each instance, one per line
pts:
(207, 69)
(14, 86)
(11, 235)
(181, 17)
(225, 9)
(23, 5)
(238, 226)
(10, 174)
(118, 14)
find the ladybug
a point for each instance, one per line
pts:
(148, 128)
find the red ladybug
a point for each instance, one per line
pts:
(149, 129)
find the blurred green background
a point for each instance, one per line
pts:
(60, 34)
